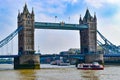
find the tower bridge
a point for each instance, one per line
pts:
(87, 28)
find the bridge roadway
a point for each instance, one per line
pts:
(8, 56)
(46, 55)
(79, 56)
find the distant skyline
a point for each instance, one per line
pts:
(69, 11)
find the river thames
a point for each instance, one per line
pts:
(49, 72)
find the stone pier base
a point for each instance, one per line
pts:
(27, 61)
(89, 58)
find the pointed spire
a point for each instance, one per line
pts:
(25, 9)
(32, 12)
(18, 13)
(87, 14)
(95, 18)
(80, 20)
(80, 17)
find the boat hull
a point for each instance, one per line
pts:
(91, 68)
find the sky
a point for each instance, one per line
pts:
(69, 11)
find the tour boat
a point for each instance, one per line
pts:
(93, 66)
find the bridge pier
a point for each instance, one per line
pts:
(89, 58)
(27, 61)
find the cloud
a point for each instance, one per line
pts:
(71, 1)
(50, 6)
(109, 27)
(101, 3)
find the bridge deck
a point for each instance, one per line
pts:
(112, 55)
(51, 55)
(8, 56)
(44, 25)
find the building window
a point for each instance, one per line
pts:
(28, 16)
(28, 22)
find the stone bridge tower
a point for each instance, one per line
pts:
(27, 58)
(26, 36)
(89, 38)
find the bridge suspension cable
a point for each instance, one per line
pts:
(108, 46)
(10, 37)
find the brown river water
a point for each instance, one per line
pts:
(49, 72)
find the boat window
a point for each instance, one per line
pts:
(85, 66)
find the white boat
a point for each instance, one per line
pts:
(93, 66)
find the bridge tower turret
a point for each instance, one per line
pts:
(27, 58)
(89, 38)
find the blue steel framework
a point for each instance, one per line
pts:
(12, 35)
(42, 25)
(108, 46)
